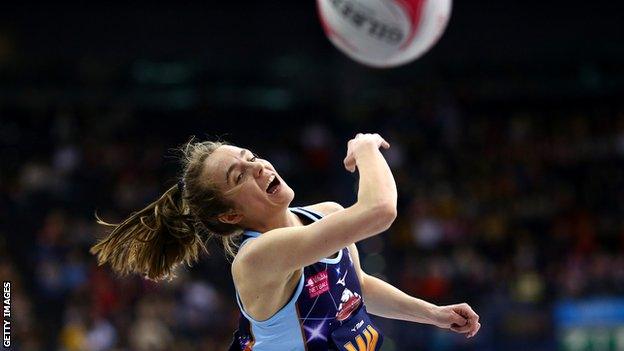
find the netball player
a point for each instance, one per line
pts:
(297, 272)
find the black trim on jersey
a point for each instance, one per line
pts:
(314, 215)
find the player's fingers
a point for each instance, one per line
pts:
(348, 166)
(473, 317)
(381, 141)
(470, 310)
(474, 330)
(462, 330)
(457, 320)
(465, 310)
(349, 163)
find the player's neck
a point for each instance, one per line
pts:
(284, 219)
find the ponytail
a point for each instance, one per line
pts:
(154, 240)
(174, 229)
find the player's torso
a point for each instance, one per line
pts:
(330, 296)
(325, 309)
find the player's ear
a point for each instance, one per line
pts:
(230, 217)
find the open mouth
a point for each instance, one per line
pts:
(273, 185)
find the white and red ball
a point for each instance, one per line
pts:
(384, 33)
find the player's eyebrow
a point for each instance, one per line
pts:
(231, 168)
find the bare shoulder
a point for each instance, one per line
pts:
(244, 263)
(246, 275)
(326, 207)
(238, 267)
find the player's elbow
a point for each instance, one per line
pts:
(384, 215)
(371, 219)
(388, 214)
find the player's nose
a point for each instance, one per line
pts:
(257, 169)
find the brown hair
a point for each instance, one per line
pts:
(173, 229)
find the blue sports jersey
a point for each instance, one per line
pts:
(325, 312)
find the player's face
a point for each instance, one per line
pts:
(250, 182)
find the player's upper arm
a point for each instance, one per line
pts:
(279, 252)
(330, 207)
(326, 208)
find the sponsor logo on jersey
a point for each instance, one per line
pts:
(368, 343)
(341, 281)
(349, 302)
(358, 326)
(318, 284)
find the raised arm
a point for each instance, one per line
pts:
(280, 252)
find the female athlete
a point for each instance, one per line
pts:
(296, 272)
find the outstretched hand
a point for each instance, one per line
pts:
(459, 318)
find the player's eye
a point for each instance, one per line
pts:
(254, 158)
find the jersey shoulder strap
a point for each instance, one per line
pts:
(313, 215)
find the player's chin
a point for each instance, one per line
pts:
(282, 194)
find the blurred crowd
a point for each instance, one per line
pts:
(508, 207)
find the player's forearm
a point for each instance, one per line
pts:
(385, 300)
(376, 185)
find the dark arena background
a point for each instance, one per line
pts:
(507, 148)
